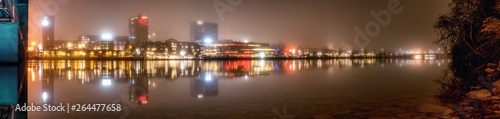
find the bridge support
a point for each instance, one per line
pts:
(13, 39)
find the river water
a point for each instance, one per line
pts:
(340, 88)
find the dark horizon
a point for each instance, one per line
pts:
(311, 24)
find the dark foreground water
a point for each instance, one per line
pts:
(390, 88)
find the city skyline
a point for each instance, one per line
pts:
(250, 59)
(259, 21)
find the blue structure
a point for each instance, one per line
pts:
(13, 39)
(9, 48)
(8, 85)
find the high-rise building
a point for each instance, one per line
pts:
(48, 32)
(204, 32)
(138, 30)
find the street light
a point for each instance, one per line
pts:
(45, 22)
(40, 47)
(208, 40)
(70, 45)
(106, 36)
(137, 51)
(182, 53)
(199, 22)
(262, 55)
(246, 40)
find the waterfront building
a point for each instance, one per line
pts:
(171, 49)
(94, 42)
(237, 49)
(90, 46)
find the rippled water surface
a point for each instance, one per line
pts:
(342, 88)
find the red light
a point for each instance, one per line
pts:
(143, 20)
(142, 98)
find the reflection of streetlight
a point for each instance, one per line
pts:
(106, 82)
(208, 77)
(33, 43)
(45, 96)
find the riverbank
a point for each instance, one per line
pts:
(484, 101)
(214, 58)
(85, 58)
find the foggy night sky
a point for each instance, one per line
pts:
(309, 23)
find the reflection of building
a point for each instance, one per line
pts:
(173, 69)
(204, 32)
(87, 71)
(138, 30)
(242, 68)
(139, 87)
(171, 49)
(48, 32)
(204, 85)
(48, 87)
(139, 90)
(228, 48)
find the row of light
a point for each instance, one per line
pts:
(108, 36)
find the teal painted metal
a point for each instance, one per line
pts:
(9, 42)
(8, 85)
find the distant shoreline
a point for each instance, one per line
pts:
(228, 58)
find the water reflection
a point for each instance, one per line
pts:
(48, 91)
(139, 90)
(205, 85)
(142, 76)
